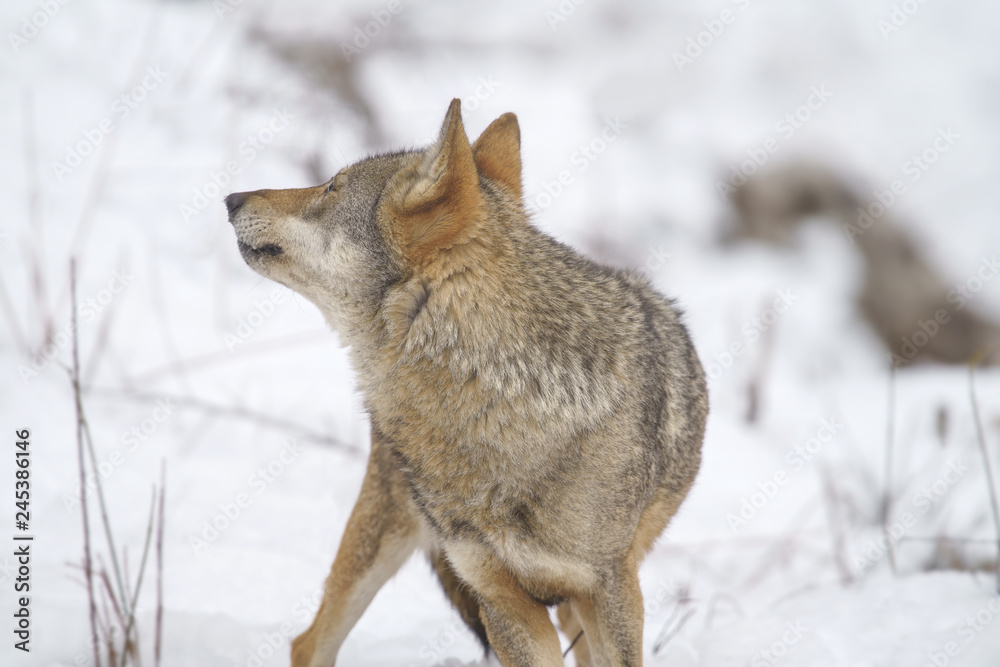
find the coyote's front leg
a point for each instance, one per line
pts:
(382, 532)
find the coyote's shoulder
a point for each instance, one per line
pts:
(541, 415)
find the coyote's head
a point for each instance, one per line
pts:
(389, 222)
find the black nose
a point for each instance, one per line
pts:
(235, 200)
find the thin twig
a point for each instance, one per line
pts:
(572, 643)
(100, 342)
(111, 595)
(122, 590)
(99, 180)
(104, 626)
(670, 630)
(948, 538)
(887, 485)
(217, 410)
(713, 603)
(95, 191)
(126, 576)
(727, 542)
(97, 184)
(203, 362)
(986, 463)
(835, 523)
(781, 545)
(40, 297)
(84, 426)
(11, 316)
(159, 569)
(138, 583)
(87, 563)
(199, 56)
(756, 383)
(108, 632)
(161, 312)
(781, 599)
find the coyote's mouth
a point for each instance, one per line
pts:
(268, 249)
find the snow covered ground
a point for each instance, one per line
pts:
(126, 121)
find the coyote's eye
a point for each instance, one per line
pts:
(339, 179)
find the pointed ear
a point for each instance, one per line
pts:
(497, 153)
(438, 197)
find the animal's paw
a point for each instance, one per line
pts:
(303, 648)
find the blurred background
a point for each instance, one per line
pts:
(810, 181)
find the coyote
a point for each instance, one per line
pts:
(536, 418)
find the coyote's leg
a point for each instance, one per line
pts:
(612, 615)
(460, 595)
(612, 619)
(382, 532)
(571, 627)
(518, 626)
